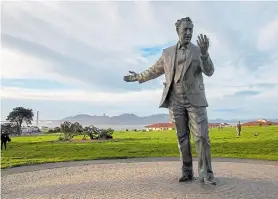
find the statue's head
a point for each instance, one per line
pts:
(184, 29)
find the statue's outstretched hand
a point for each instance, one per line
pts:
(203, 43)
(131, 78)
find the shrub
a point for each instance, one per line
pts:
(50, 131)
(95, 133)
(70, 130)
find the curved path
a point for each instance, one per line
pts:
(140, 178)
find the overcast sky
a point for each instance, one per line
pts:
(67, 58)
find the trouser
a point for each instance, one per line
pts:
(192, 119)
(5, 144)
(238, 132)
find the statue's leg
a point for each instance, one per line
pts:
(198, 123)
(180, 117)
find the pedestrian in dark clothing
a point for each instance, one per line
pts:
(238, 128)
(4, 139)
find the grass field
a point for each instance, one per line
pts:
(45, 148)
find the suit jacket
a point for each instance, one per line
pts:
(192, 74)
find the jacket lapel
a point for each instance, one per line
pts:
(173, 60)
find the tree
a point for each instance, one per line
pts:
(20, 115)
(9, 128)
(70, 130)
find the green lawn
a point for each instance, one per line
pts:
(46, 148)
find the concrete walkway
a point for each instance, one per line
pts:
(145, 178)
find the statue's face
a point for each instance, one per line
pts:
(185, 32)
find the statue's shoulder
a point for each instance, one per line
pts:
(170, 49)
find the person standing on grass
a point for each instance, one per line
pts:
(4, 139)
(238, 128)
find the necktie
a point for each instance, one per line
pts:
(179, 65)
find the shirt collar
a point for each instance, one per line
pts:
(184, 46)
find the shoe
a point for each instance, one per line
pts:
(185, 178)
(209, 181)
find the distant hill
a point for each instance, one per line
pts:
(132, 119)
(124, 119)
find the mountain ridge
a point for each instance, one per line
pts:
(132, 119)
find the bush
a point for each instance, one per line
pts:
(95, 133)
(70, 130)
(60, 138)
(57, 129)
(50, 131)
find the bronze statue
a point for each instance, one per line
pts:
(184, 95)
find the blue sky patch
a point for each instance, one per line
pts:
(226, 109)
(153, 50)
(246, 93)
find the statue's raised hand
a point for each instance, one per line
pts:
(203, 44)
(131, 78)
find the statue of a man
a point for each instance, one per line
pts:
(184, 95)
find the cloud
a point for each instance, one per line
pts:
(246, 93)
(36, 84)
(267, 36)
(79, 50)
(19, 65)
(81, 95)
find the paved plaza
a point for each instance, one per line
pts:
(140, 178)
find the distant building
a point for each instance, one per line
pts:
(160, 127)
(260, 122)
(214, 125)
(44, 128)
(171, 126)
(218, 125)
(25, 130)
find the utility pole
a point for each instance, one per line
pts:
(37, 118)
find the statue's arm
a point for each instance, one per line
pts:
(153, 72)
(207, 65)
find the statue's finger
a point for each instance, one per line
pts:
(206, 38)
(132, 72)
(198, 43)
(199, 40)
(202, 38)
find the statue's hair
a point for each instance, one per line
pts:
(179, 21)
